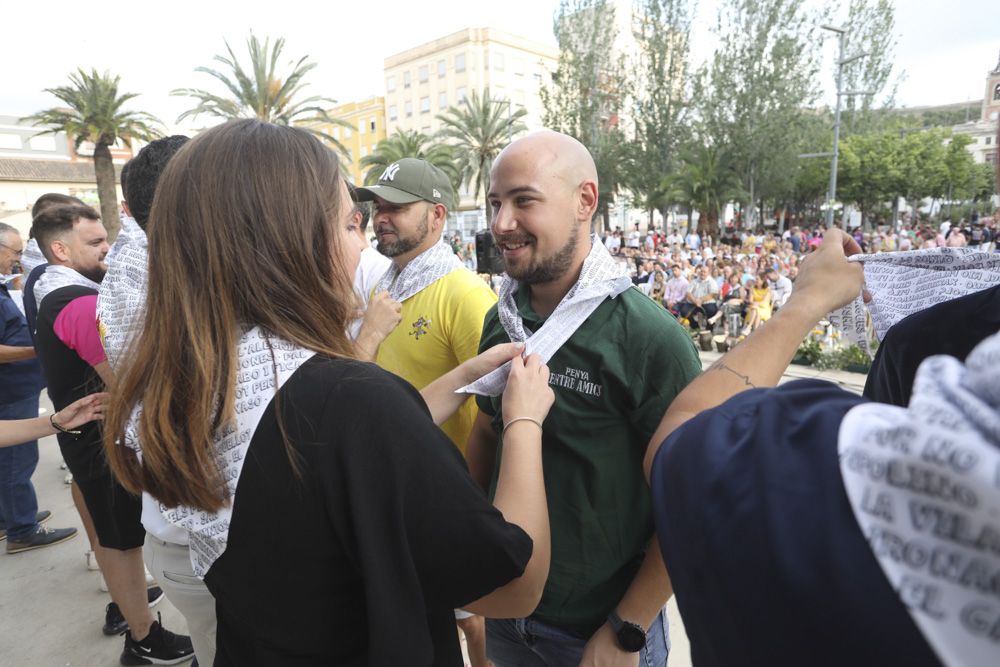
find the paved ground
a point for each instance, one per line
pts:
(51, 610)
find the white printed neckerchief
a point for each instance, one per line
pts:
(600, 278)
(121, 299)
(426, 268)
(57, 277)
(256, 386)
(924, 485)
(31, 257)
(903, 283)
(129, 234)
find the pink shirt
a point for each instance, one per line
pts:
(76, 327)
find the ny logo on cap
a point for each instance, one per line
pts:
(390, 172)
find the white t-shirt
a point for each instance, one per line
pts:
(371, 268)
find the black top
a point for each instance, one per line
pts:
(69, 378)
(19, 380)
(766, 558)
(363, 558)
(954, 328)
(30, 306)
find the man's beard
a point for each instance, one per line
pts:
(404, 245)
(546, 269)
(95, 273)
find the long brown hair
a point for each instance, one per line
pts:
(241, 234)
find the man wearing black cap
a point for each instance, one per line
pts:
(443, 303)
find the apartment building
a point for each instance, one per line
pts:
(367, 120)
(423, 81)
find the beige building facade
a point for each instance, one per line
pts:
(367, 120)
(423, 81)
(984, 131)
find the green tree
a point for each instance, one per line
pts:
(752, 94)
(265, 92)
(477, 130)
(706, 182)
(870, 29)
(664, 28)
(93, 112)
(411, 143)
(589, 90)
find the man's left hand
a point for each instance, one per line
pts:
(603, 651)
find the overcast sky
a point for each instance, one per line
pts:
(944, 47)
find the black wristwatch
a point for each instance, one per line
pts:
(631, 637)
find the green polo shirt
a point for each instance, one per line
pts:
(613, 380)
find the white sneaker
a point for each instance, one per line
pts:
(91, 561)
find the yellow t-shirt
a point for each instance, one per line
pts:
(440, 329)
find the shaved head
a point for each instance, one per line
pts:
(543, 197)
(555, 154)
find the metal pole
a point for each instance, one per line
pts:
(831, 193)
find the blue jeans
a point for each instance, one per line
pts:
(527, 642)
(18, 505)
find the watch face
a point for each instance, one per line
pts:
(631, 638)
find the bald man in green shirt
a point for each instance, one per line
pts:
(616, 361)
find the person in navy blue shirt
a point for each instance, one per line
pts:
(20, 384)
(765, 555)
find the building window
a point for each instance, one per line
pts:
(347, 133)
(46, 143)
(408, 109)
(392, 112)
(442, 69)
(406, 79)
(390, 84)
(422, 74)
(364, 151)
(460, 62)
(498, 61)
(442, 100)
(371, 124)
(425, 104)
(460, 94)
(519, 66)
(996, 92)
(11, 141)
(989, 140)
(361, 127)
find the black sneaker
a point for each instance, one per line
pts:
(114, 620)
(159, 647)
(42, 537)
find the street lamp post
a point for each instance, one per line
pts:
(831, 193)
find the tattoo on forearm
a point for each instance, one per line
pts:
(720, 366)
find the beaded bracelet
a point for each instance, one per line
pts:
(56, 426)
(519, 419)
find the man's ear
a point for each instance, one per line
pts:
(440, 214)
(125, 208)
(587, 200)
(60, 250)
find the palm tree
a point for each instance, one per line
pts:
(478, 129)
(93, 112)
(411, 143)
(265, 93)
(705, 182)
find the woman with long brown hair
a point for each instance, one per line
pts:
(331, 519)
